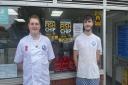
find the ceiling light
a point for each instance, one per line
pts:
(20, 20)
(12, 12)
(56, 13)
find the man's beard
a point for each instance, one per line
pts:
(88, 30)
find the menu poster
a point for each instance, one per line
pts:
(77, 29)
(50, 29)
(65, 31)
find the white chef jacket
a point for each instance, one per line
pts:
(35, 57)
(87, 61)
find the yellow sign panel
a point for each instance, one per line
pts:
(125, 77)
(64, 25)
(50, 27)
(50, 24)
(97, 18)
(65, 31)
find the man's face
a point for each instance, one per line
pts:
(34, 26)
(88, 24)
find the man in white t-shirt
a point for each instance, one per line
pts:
(35, 52)
(87, 51)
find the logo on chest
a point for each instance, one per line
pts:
(44, 48)
(93, 43)
(26, 48)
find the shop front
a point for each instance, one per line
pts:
(61, 29)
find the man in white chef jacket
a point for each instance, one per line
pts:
(35, 52)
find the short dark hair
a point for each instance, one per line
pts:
(35, 17)
(88, 17)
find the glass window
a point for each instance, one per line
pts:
(61, 28)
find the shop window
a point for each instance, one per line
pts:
(61, 30)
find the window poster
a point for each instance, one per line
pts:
(65, 31)
(50, 29)
(77, 29)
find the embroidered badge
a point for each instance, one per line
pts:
(93, 43)
(44, 47)
(36, 46)
(26, 48)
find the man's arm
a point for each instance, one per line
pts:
(99, 51)
(75, 57)
(19, 57)
(98, 55)
(20, 67)
(51, 54)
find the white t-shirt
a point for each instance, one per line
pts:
(87, 61)
(35, 55)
